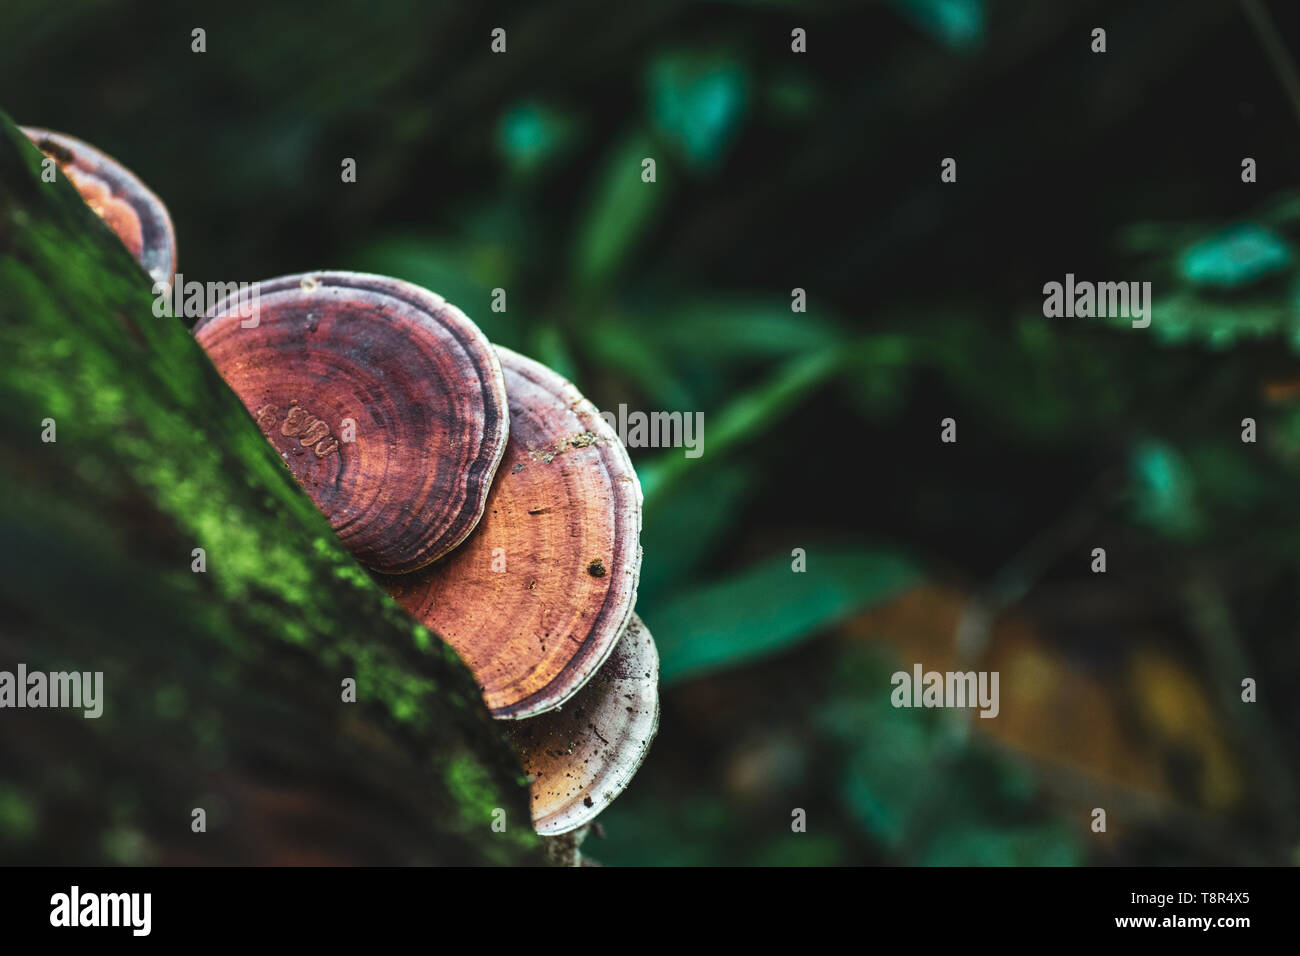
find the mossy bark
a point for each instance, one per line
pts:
(222, 688)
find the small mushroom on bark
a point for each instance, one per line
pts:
(537, 597)
(386, 402)
(584, 754)
(126, 205)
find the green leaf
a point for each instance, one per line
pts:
(677, 354)
(621, 210)
(727, 329)
(1235, 257)
(770, 607)
(547, 344)
(623, 348)
(1164, 491)
(957, 24)
(697, 103)
(747, 416)
(680, 528)
(1186, 318)
(887, 776)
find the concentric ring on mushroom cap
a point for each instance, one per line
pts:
(536, 599)
(118, 197)
(584, 754)
(385, 401)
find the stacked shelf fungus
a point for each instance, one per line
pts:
(489, 497)
(537, 599)
(495, 503)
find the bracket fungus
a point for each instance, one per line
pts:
(536, 599)
(453, 437)
(386, 402)
(584, 754)
(118, 197)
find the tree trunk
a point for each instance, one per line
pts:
(222, 689)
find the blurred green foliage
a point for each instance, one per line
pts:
(777, 171)
(958, 24)
(783, 601)
(1235, 257)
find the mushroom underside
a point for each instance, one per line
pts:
(584, 754)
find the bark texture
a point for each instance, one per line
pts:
(222, 688)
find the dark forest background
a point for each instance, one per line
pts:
(821, 171)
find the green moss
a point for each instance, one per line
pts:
(475, 793)
(155, 457)
(423, 639)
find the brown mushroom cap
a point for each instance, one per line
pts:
(125, 204)
(584, 754)
(536, 599)
(386, 402)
